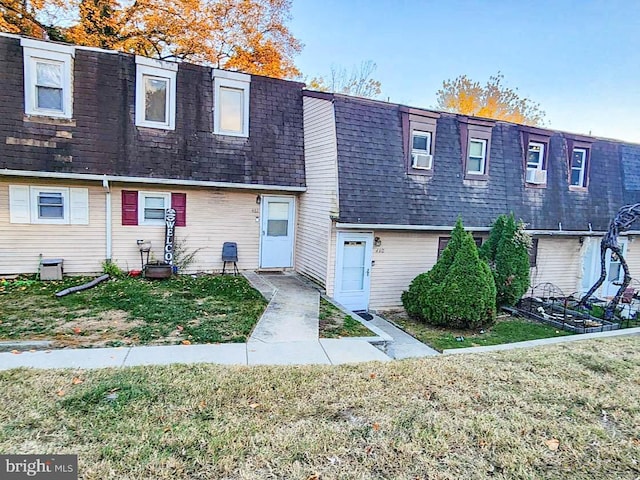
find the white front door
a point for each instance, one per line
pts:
(615, 272)
(353, 270)
(276, 246)
(591, 272)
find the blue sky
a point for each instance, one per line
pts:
(579, 59)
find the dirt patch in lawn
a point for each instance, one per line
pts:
(126, 311)
(105, 329)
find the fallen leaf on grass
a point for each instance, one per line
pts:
(315, 476)
(77, 330)
(376, 427)
(180, 328)
(76, 381)
(185, 342)
(552, 444)
(373, 375)
(253, 406)
(60, 393)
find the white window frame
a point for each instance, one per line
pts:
(239, 81)
(541, 158)
(582, 169)
(417, 151)
(142, 196)
(148, 67)
(35, 213)
(483, 159)
(34, 52)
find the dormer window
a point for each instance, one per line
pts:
(47, 78)
(476, 161)
(421, 157)
(535, 150)
(536, 172)
(231, 103)
(475, 144)
(155, 93)
(579, 159)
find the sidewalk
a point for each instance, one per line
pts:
(324, 351)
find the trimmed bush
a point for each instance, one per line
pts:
(413, 299)
(507, 251)
(458, 292)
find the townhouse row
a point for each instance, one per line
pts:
(358, 195)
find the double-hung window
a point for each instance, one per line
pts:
(47, 78)
(421, 157)
(231, 103)
(477, 156)
(536, 172)
(155, 93)
(49, 205)
(579, 159)
(152, 207)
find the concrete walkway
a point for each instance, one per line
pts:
(402, 345)
(292, 313)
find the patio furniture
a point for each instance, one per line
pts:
(230, 254)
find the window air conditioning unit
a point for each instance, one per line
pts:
(422, 160)
(538, 177)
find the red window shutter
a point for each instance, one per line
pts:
(129, 207)
(179, 204)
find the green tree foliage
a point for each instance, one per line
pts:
(507, 251)
(493, 100)
(458, 292)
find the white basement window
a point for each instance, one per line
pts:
(152, 207)
(155, 93)
(231, 103)
(47, 78)
(48, 205)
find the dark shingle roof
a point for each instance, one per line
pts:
(375, 188)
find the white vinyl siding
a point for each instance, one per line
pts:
(214, 217)
(559, 262)
(400, 257)
(82, 246)
(320, 201)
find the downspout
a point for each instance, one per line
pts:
(108, 222)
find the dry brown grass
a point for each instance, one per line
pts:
(460, 417)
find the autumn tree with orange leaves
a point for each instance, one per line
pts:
(246, 35)
(493, 100)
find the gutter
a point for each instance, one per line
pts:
(383, 226)
(147, 180)
(444, 228)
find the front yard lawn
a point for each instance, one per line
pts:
(334, 323)
(125, 311)
(507, 329)
(565, 411)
